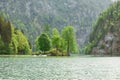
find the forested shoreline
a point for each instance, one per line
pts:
(63, 41)
(31, 16)
(14, 42)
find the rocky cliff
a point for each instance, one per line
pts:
(105, 37)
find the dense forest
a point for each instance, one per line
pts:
(31, 16)
(12, 40)
(105, 37)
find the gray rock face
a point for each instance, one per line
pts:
(110, 43)
(109, 37)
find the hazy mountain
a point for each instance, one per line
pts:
(31, 15)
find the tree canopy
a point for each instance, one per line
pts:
(56, 38)
(12, 41)
(44, 43)
(68, 35)
(62, 44)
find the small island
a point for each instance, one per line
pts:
(50, 43)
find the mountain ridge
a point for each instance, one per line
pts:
(31, 15)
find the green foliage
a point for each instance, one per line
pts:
(23, 44)
(56, 39)
(55, 52)
(89, 46)
(108, 21)
(68, 35)
(79, 13)
(59, 42)
(55, 32)
(5, 30)
(12, 41)
(44, 43)
(5, 35)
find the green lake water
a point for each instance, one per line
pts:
(58, 68)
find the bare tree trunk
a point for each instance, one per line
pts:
(111, 47)
(68, 48)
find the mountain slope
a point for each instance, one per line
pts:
(105, 38)
(31, 15)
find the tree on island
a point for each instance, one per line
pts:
(56, 39)
(44, 43)
(58, 45)
(68, 35)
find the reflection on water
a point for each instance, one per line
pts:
(91, 68)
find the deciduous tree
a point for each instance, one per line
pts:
(68, 35)
(44, 42)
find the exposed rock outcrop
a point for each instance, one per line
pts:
(105, 38)
(110, 44)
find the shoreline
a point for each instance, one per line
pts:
(73, 55)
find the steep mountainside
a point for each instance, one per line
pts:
(31, 15)
(105, 38)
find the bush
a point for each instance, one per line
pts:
(55, 52)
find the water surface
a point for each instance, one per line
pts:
(66, 68)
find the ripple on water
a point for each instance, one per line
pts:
(60, 68)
